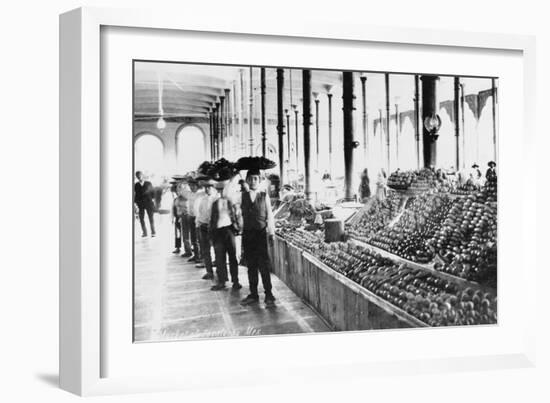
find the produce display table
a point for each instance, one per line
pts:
(343, 303)
(429, 267)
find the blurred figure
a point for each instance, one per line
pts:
(143, 199)
(364, 186)
(491, 174)
(477, 176)
(381, 185)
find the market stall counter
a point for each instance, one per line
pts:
(343, 303)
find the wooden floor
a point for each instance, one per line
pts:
(172, 302)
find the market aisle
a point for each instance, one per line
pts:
(172, 301)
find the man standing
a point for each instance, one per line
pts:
(180, 204)
(225, 223)
(258, 224)
(143, 198)
(175, 189)
(192, 194)
(203, 212)
(491, 173)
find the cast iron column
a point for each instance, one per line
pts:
(463, 126)
(242, 144)
(234, 122)
(387, 86)
(317, 132)
(222, 127)
(429, 108)
(329, 96)
(456, 108)
(227, 125)
(347, 97)
(364, 102)
(288, 135)
(210, 121)
(262, 102)
(250, 116)
(306, 94)
(417, 119)
(495, 99)
(280, 123)
(382, 131)
(297, 139)
(218, 129)
(397, 130)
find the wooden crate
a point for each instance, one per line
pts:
(343, 303)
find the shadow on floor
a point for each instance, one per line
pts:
(49, 379)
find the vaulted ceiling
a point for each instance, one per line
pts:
(191, 90)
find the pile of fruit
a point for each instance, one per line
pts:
(408, 237)
(422, 179)
(435, 301)
(301, 209)
(377, 216)
(308, 241)
(466, 307)
(464, 189)
(466, 241)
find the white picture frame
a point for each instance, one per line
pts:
(82, 343)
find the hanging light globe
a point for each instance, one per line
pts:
(432, 124)
(161, 123)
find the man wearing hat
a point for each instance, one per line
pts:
(203, 212)
(258, 224)
(143, 198)
(491, 174)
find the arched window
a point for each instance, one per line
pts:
(189, 149)
(149, 157)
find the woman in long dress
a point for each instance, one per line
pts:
(364, 186)
(381, 185)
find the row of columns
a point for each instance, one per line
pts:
(224, 114)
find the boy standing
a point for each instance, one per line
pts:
(180, 209)
(258, 224)
(192, 194)
(203, 211)
(225, 223)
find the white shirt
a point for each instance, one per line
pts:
(224, 217)
(204, 208)
(192, 198)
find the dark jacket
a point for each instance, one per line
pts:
(254, 213)
(143, 194)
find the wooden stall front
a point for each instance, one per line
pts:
(343, 303)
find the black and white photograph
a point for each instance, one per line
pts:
(276, 200)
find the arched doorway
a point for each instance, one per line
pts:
(149, 157)
(189, 149)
